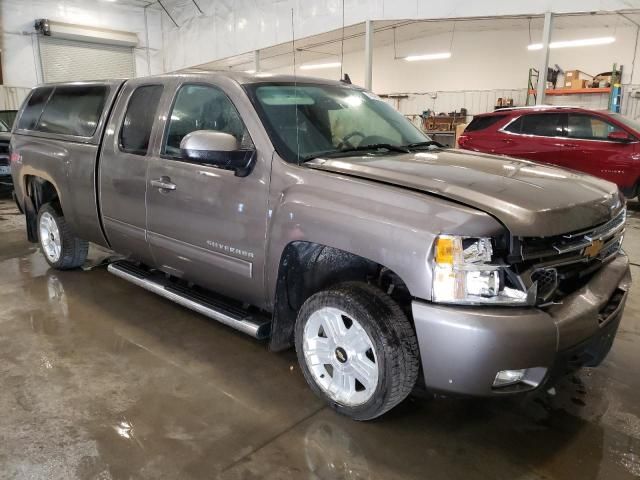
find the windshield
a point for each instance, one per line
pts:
(3, 127)
(627, 121)
(306, 121)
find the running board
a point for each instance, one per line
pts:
(255, 325)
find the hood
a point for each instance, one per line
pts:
(530, 199)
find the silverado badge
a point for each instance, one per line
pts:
(594, 249)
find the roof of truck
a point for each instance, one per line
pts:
(196, 73)
(260, 77)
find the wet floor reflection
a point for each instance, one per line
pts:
(99, 379)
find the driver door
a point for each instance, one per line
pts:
(209, 226)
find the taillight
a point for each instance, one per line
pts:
(14, 157)
(462, 140)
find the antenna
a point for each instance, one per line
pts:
(342, 43)
(295, 87)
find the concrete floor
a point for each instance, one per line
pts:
(101, 380)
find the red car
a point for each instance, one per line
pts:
(599, 143)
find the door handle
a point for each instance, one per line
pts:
(507, 140)
(163, 183)
(568, 145)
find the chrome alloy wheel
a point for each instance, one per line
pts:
(340, 355)
(50, 237)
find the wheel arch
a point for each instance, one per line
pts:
(307, 267)
(37, 192)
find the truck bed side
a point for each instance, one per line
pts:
(68, 162)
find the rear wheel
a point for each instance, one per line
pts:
(357, 350)
(61, 248)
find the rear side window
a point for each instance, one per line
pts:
(33, 109)
(73, 110)
(138, 121)
(480, 123)
(540, 124)
(589, 127)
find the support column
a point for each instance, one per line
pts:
(544, 61)
(368, 54)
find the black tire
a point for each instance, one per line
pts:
(393, 337)
(74, 250)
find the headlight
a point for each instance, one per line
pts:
(464, 272)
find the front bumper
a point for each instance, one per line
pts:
(463, 348)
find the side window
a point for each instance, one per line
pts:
(544, 124)
(73, 110)
(514, 127)
(33, 109)
(480, 123)
(138, 120)
(202, 107)
(589, 127)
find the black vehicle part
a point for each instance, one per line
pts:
(306, 268)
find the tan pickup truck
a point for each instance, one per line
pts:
(314, 214)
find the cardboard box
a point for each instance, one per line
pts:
(575, 84)
(571, 75)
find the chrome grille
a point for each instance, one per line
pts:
(578, 241)
(560, 264)
(572, 244)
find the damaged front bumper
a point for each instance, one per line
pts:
(463, 348)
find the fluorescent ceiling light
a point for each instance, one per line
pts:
(575, 43)
(318, 66)
(428, 56)
(249, 71)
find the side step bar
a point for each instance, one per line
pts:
(255, 325)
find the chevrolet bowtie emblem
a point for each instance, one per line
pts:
(594, 249)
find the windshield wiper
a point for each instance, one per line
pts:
(361, 148)
(366, 148)
(430, 143)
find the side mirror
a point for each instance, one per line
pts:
(218, 149)
(619, 136)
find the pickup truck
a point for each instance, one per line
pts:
(313, 213)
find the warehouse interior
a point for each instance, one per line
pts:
(103, 379)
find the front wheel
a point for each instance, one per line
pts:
(61, 248)
(357, 350)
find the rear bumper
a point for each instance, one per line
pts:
(463, 348)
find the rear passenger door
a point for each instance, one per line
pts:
(536, 136)
(210, 227)
(123, 168)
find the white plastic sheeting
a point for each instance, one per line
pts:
(12, 97)
(20, 53)
(232, 27)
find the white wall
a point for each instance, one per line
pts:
(19, 44)
(484, 66)
(12, 97)
(231, 27)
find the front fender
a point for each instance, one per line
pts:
(386, 224)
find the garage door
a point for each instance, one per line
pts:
(67, 60)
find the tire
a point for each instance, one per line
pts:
(357, 382)
(68, 251)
